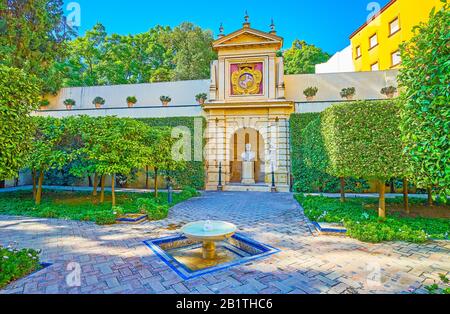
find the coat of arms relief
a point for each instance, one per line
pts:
(246, 79)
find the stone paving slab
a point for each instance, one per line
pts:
(114, 259)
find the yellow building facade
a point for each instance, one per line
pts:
(376, 44)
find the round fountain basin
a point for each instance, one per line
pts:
(218, 231)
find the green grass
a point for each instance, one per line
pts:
(15, 264)
(79, 205)
(363, 223)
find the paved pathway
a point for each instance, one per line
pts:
(114, 259)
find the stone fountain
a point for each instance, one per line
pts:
(209, 232)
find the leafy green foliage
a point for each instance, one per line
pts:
(348, 92)
(34, 38)
(363, 140)
(365, 225)
(309, 176)
(98, 101)
(131, 99)
(201, 97)
(442, 288)
(424, 78)
(159, 55)
(193, 173)
(79, 205)
(165, 99)
(153, 208)
(105, 218)
(389, 90)
(193, 52)
(19, 96)
(115, 145)
(47, 153)
(69, 102)
(15, 264)
(302, 57)
(310, 91)
(189, 192)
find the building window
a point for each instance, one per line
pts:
(373, 41)
(375, 67)
(396, 58)
(358, 52)
(394, 27)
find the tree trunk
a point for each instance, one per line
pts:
(430, 197)
(382, 205)
(39, 188)
(392, 186)
(102, 193)
(405, 196)
(342, 189)
(33, 178)
(147, 183)
(2, 184)
(156, 182)
(90, 181)
(94, 191)
(113, 191)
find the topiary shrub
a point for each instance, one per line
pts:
(307, 177)
(363, 140)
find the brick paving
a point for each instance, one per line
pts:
(114, 259)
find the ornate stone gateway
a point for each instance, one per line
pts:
(248, 115)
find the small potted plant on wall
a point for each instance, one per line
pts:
(201, 98)
(348, 93)
(69, 103)
(165, 100)
(98, 102)
(131, 101)
(43, 104)
(389, 91)
(310, 93)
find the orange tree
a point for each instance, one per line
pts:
(19, 95)
(115, 146)
(161, 155)
(424, 78)
(47, 151)
(363, 140)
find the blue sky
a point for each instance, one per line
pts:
(325, 23)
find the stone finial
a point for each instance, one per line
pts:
(272, 28)
(221, 29)
(246, 19)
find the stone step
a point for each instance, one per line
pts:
(247, 188)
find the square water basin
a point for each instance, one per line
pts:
(184, 256)
(327, 227)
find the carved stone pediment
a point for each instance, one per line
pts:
(248, 37)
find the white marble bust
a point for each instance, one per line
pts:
(248, 155)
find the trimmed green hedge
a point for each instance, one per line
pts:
(194, 173)
(309, 173)
(363, 224)
(363, 139)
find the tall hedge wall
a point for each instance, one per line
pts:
(309, 158)
(194, 174)
(363, 139)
